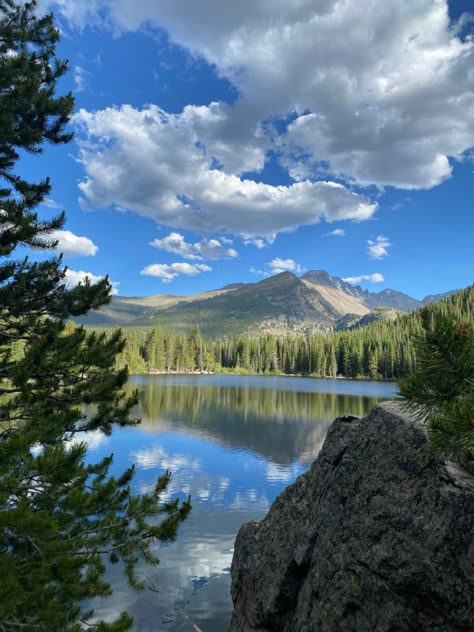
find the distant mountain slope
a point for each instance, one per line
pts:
(434, 298)
(370, 300)
(339, 294)
(125, 310)
(324, 279)
(392, 298)
(379, 314)
(279, 304)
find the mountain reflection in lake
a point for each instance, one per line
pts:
(233, 443)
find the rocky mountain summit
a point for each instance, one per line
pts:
(280, 304)
(371, 300)
(377, 536)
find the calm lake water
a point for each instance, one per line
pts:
(233, 443)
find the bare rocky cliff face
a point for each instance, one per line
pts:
(377, 537)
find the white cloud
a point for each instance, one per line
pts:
(50, 203)
(73, 277)
(72, 245)
(258, 272)
(162, 166)
(205, 249)
(260, 243)
(169, 272)
(371, 278)
(386, 102)
(279, 265)
(284, 265)
(378, 249)
(80, 78)
(339, 232)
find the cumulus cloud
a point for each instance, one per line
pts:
(284, 265)
(72, 245)
(158, 164)
(205, 249)
(168, 272)
(279, 265)
(378, 249)
(258, 243)
(73, 277)
(387, 103)
(339, 232)
(371, 278)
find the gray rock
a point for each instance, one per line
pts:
(377, 537)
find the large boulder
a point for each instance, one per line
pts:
(377, 536)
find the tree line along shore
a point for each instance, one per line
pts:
(383, 350)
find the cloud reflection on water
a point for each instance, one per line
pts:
(157, 457)
(234, 450)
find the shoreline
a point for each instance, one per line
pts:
(249, 373)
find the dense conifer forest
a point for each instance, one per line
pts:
(383, 350)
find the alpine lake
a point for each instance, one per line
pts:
(233, 443)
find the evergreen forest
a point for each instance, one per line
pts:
(382, 350)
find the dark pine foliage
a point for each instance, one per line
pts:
(441, 389)
(61, 519)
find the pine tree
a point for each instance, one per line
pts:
(441, 390)
(195, 348)
(61, 519)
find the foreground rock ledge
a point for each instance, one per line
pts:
(378, 536)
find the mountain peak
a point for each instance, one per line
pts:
(281, 277)
(320, 277)
(393, 298)
(282, 303)
(316, 274)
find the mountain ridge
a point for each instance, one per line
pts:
(282, 303)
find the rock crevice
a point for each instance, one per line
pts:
(378, 536)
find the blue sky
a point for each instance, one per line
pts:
(223, 142)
